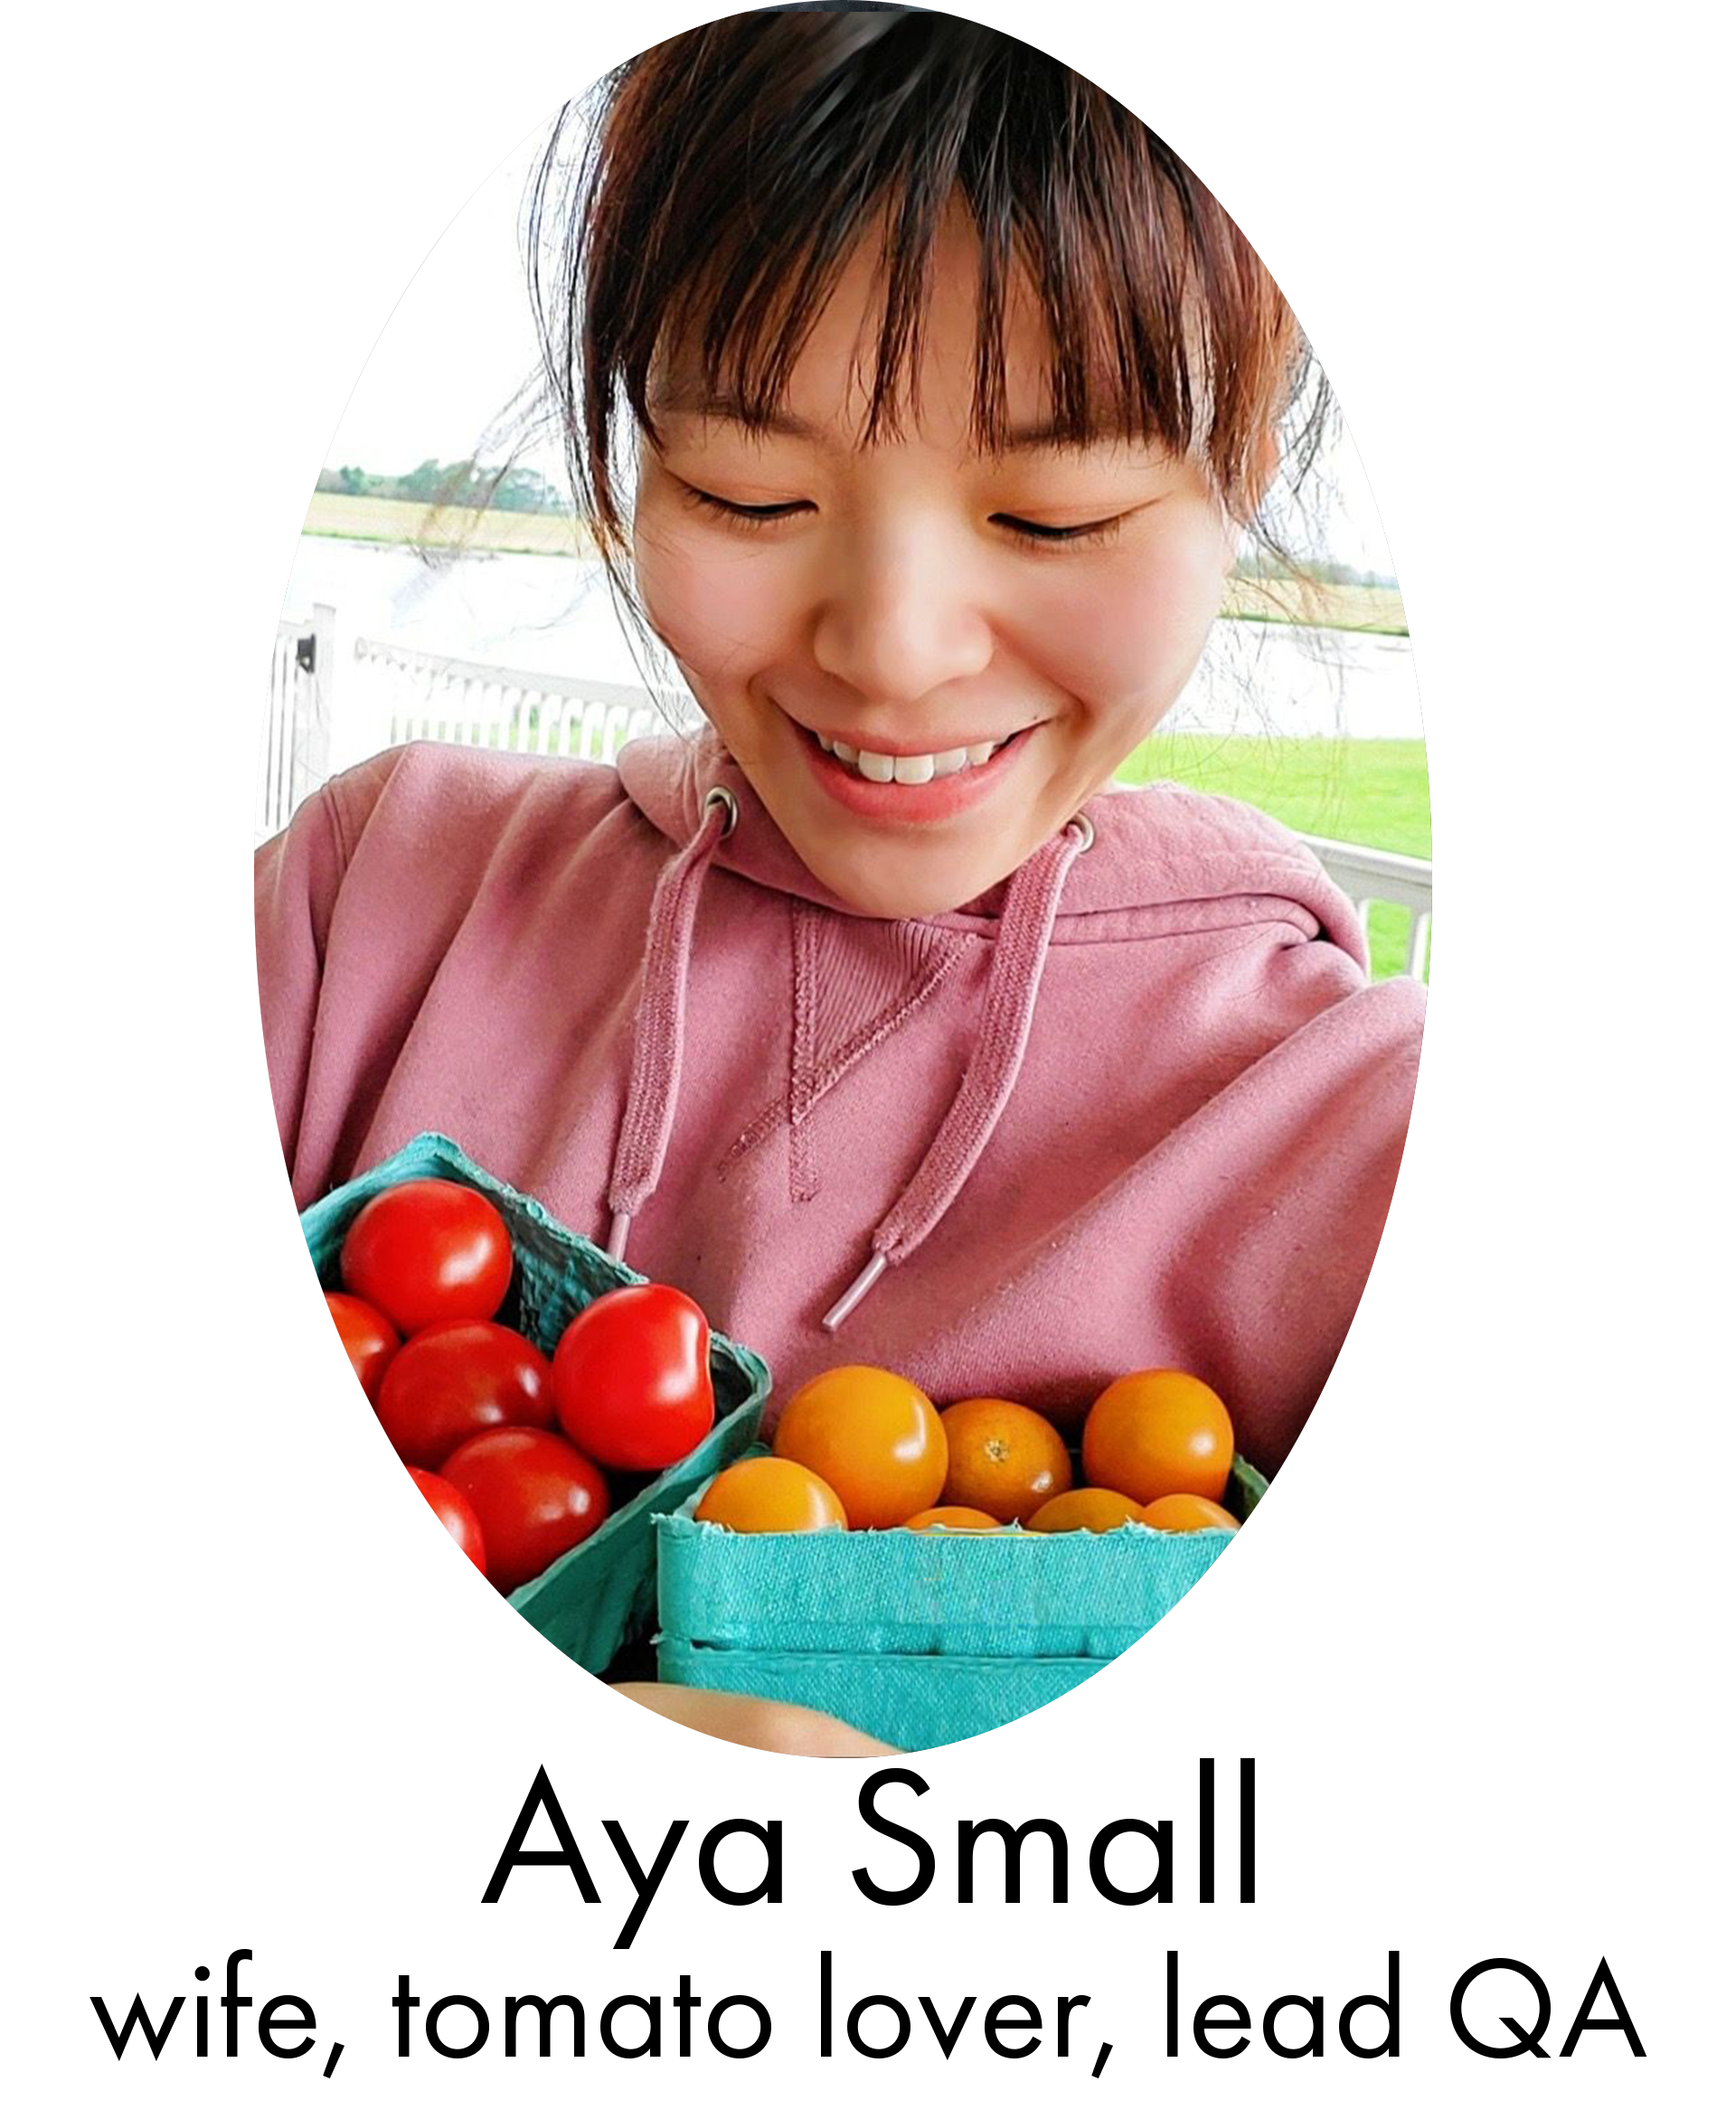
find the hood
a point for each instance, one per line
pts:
(1156, 847)
(1144, 860)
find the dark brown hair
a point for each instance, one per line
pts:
(711, 190)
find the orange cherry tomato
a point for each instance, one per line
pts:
(1186, 1513)
(875, 1439)
(1002, 1458)
(1085, 1509)
(951, 1518)
(1159, 1433)
(770, 1494)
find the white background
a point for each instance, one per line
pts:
(1476, 1643)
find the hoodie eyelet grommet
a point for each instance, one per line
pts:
(1086, 833)
(721, 795)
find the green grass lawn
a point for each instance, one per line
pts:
(1375, 793)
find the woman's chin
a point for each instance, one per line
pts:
(873, 885)
(876, 869)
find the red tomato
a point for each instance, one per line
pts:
(427, 1249)
(370, 1339)
(633, 1377)
(535, 1495)
(452, 1381)
(454, 1512)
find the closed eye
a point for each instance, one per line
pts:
(709, 502)
(1036, 532)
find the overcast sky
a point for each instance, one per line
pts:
(459, 342)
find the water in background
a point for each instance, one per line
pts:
(543, 615)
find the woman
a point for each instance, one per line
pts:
(947, 395)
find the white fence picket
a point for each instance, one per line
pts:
(294, 753)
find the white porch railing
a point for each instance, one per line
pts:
(1383, 875)
(422, 696)
(295, 756)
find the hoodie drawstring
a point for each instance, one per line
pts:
(654, 1080)
(1009, 1003)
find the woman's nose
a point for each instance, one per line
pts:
(900, 622)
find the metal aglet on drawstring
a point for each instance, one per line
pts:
(853, 1295)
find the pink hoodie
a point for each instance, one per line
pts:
(1139, 1106)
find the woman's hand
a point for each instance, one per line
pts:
(764, 1724)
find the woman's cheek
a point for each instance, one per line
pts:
(714, 608)
(1128, 635)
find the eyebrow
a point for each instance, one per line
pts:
(1047, 432)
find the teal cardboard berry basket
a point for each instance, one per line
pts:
(602, 1594)
(917, 1638)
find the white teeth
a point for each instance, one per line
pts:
(910, 769)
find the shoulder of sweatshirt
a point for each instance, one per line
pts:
(1166, 842)
(459, 809)
(1168, 862)
(1202, 863)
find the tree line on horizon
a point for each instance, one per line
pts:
(467, 484)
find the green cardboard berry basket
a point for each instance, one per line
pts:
(602, 1594)
(919, 1639)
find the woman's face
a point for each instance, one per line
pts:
(924, 659)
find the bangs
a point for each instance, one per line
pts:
(727, 177)
(734, 333)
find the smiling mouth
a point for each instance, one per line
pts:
(875, 768)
